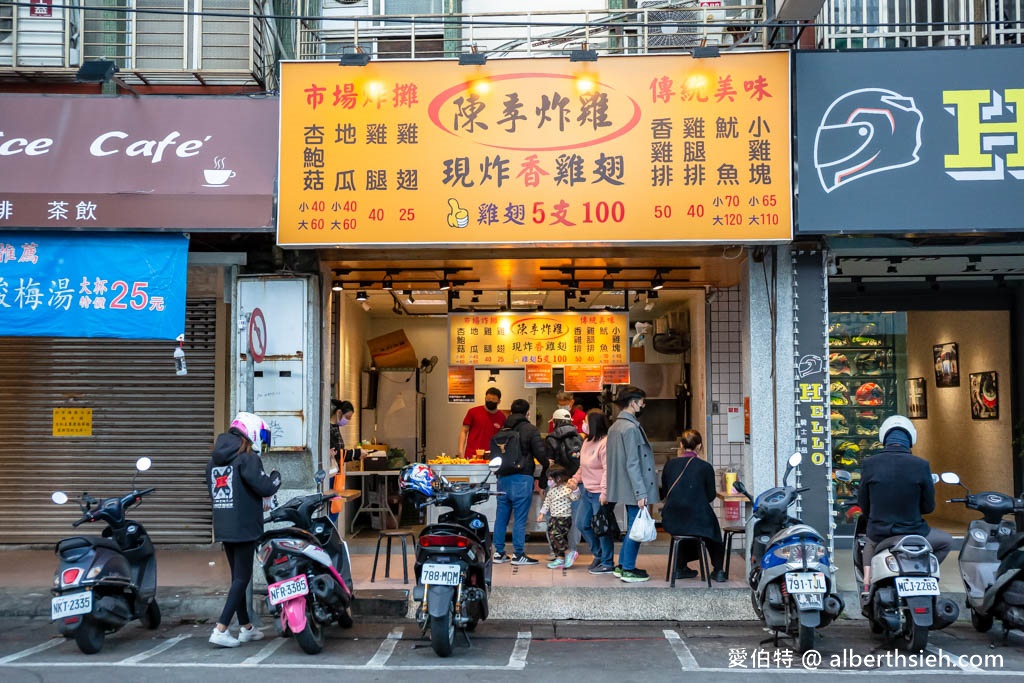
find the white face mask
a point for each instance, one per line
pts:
(586, 428)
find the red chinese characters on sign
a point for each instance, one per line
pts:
(699, 88)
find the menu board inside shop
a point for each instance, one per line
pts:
(583, 378)
(539, 376)
(631, 149)
(538, 338)
(461, 383)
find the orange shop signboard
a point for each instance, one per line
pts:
(537, 338)
(631, 149)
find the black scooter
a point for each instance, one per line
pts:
(307, 568)
(103, 582)
(453, 563)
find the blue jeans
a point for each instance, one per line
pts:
(518, 490)
(577, 507)
(630, 548)
(600, 546)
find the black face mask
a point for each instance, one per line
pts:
(638, 410)
(491, 405)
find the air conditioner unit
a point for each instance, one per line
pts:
(673, 24)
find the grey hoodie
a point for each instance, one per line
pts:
(238, 485)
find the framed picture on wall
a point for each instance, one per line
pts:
(917, 399)
(985, 395)
(947, 364)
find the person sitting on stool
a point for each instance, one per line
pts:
(688, 489)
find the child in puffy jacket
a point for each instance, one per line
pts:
(558, 504)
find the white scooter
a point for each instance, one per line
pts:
(902, 601)
(992, 559)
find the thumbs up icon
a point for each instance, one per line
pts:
(458, 217)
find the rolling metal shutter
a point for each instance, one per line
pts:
(139, 407)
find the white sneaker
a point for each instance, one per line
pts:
(223, 638)
(246, 635)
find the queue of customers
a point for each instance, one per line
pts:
(584, 475)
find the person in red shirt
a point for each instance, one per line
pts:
(565, 400)
(480, 424)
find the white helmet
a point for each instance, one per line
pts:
(253, 428)
(897, 422)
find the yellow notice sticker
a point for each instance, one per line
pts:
(72, 421)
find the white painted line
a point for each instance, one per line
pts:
(268, 649)
(380, 658)
(957, 662)
(683, 654)
(517, 660)
(166, 645)
(53, 642)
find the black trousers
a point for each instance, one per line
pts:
(240, 557)
(689, 551)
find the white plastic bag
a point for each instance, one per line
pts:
(643, 530)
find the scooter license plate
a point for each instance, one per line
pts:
(289, 588)
(70, 605)
(440, 574)
(909, 586)
(805, 582)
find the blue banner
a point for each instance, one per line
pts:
(126, 286)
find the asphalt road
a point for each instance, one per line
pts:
(501, 650)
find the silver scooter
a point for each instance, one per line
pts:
(992, 559)
(791, 578)
(902, 601)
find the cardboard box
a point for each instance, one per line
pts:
(393, 350)
(354, 466)
(375, 463)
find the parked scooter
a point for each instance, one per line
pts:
(902, 601)
(103, 582)
(307, 569)
(992, 559)
(453, 556)
(791, 578)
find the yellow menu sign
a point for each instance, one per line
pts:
(72, 422)
(537, 338)
(631, 149)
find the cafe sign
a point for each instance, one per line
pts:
(631, 149)
(538, 338)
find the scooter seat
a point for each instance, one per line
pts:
(892, 541)
(85, 542)
(1010, 544)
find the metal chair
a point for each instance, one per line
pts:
(390, 535)
(704, 558)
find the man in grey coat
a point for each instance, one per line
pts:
(631, 476)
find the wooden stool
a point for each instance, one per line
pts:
(728, 532)
(390, 535)
(705, 561)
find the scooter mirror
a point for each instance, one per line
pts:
(738, 487)
(935, 478)
(494, 464)
(319, 477)
(843, 476)
(950, 478)
(59, 497)
(795, 460)
(143, 464)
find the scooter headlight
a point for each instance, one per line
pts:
(891, 564)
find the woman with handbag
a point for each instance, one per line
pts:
(688, 483)
(593, 476)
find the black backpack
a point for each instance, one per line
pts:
(507, 445)
(566, 451)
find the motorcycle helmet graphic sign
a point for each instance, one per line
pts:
(866, 131)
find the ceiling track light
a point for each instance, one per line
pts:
(445, 285)
(651, 295)
(362, 296)
(408, 297)
(387, 283)
(336, 287)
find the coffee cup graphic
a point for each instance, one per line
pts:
(215, 177)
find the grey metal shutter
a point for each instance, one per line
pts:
(139, 407)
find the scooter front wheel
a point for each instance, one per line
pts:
(982, 623)
(311, 638)
(89, 635)
(442, 633)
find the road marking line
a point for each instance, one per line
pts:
(166, 645)
(517, 660)
(683, 654)
(53, 642)
(970, 668)
(384, 652)
(268, 649)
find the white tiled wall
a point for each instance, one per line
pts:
(726, 376)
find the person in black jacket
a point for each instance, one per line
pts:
(238, 486)
(896, 488)
(687, 491)
(518, 488)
